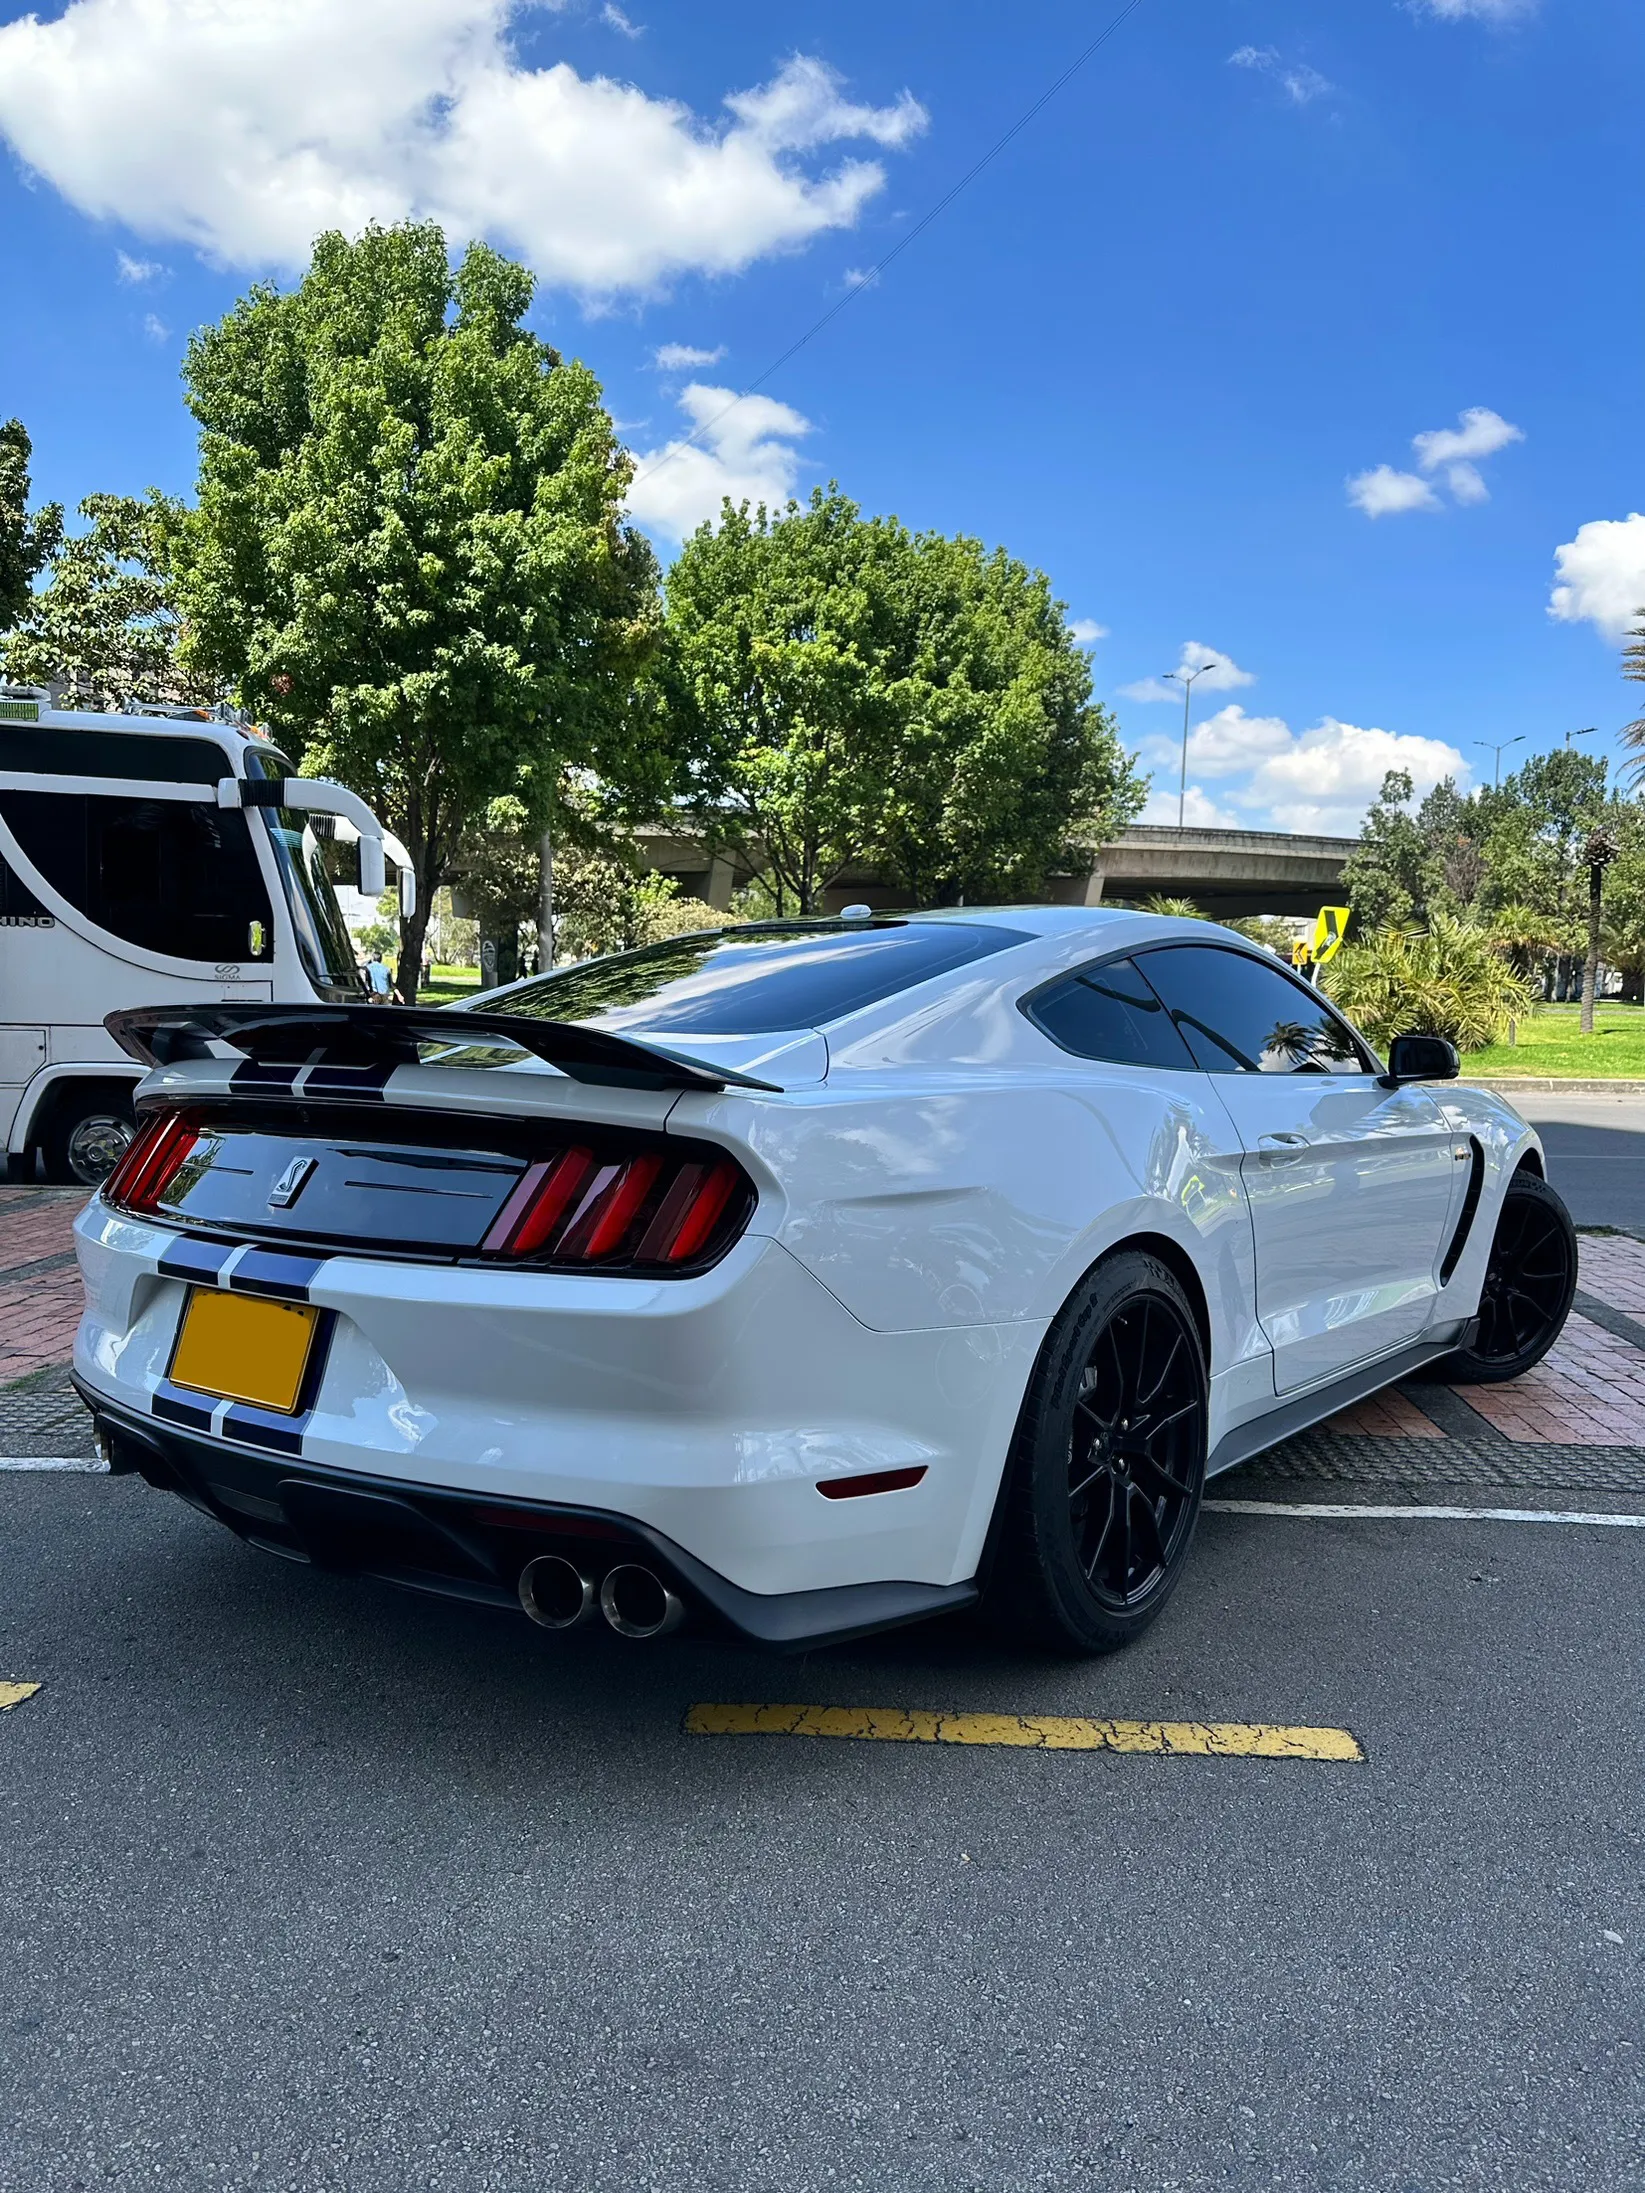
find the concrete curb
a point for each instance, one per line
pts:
(1554, 1083)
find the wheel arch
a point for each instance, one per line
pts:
(50, 1092)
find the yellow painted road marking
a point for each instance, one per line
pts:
(13, 1694)
(1029, 1731)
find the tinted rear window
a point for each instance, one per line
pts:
(753, 981)
(1111, 1013)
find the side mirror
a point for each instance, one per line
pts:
(373, 868)
(408, 894)
(1421, 1058)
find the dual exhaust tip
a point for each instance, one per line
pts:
(634, 1600)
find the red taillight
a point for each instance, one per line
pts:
(648, 1209)
(151, 1164)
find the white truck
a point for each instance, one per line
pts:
(145, 859)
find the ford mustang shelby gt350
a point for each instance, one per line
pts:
(810, 1276)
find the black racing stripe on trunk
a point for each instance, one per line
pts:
(201, 1261)
(274, 1273)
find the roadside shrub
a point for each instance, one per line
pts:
(1449, 979)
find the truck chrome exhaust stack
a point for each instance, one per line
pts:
(637, 1603)
(555, 1592)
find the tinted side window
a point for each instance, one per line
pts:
(1239, 1017)
(1110, 1013)
(171, 876)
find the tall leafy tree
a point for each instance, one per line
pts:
(839, 690)
(26, 542)
(105, 624)
(409, 554)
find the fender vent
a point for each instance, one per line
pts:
(1470, 1204)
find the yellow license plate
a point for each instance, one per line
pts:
(242, 1348)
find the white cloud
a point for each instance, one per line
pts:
(1270, 777)
(747, 453)
(1480, 433)
(138, 270)
(1199, 812)
(1324, 779)
(155, 328)
(244, 127)
(1384, 493)
(1300, 83)
(1221, 674)
(673, 357)
(614, 19)
(1602, 575)
(1486, 11)
(1085, 632)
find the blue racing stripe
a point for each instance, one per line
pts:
(201, 1261)
(254, 1427)
(274, 1272)
(250, 1075)
(178, 1408)
(349, 1081)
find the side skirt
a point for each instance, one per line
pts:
(1297, 1414)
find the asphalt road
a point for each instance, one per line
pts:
(307, 1884)
(1596, 1153)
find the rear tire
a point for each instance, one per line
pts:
(89, 1133)
(1530, 1283)
(1103, 1486)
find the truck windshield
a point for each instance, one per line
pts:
(322, 935)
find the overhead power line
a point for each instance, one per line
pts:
(870, 278)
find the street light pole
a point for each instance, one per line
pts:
(1186, 677)
(1498, 752)
(1592, 731)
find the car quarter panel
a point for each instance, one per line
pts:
(709, 1408)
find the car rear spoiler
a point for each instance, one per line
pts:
(392, 1035)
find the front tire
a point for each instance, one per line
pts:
(1530, 1283)
(1103, 1487)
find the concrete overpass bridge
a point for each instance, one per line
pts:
(1225, 872)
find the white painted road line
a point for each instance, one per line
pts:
(1361, 1512)
(89, 1463)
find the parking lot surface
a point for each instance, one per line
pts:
(309, 1884)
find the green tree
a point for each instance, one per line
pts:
(26, 543)
(105, 623)
(408, 553)
(1382, 879)
(838, 690)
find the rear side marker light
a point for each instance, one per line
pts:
(151, 1164)
(649, 1210)
(858, 1488)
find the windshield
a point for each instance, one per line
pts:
(759, 979)
(322, 935)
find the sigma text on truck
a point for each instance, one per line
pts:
(146, 859)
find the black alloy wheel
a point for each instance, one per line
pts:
(1103, 1488)
(1530, 1282)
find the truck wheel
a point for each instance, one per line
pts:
(90, 1132)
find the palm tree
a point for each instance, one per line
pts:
(1521, 931)
(1177, 909)
(1446, 980)
(1633, 666)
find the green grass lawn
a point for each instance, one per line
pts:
(449, 984)
(1550, 1043)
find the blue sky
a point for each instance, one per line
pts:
(1303, 337)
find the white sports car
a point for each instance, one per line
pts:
(810, 1277)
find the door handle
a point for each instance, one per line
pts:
(1277, 1149)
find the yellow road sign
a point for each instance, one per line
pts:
(1328, 931)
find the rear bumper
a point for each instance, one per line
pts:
(468, 1547)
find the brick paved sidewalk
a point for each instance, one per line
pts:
(1587, 1396)
(39, 1285)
